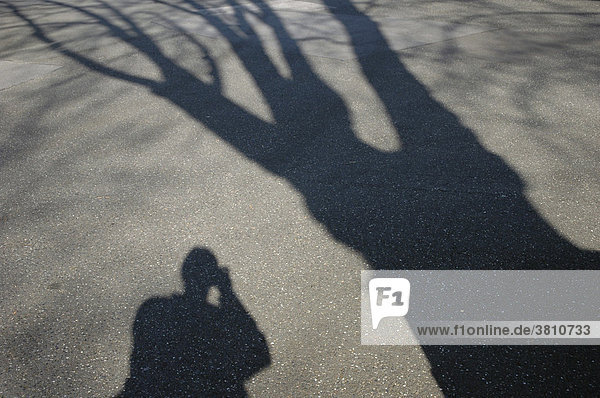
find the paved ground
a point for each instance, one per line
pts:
(156, 153)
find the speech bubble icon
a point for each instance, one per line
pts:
(388, 297)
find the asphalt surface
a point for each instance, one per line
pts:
(159, 157)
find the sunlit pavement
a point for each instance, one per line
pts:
(292, 144)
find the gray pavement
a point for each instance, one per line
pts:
(154, 153)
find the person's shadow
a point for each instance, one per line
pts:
(186, 346)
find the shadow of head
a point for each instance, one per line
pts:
(200, 271)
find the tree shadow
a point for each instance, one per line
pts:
(185, 346)
(441, 202)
